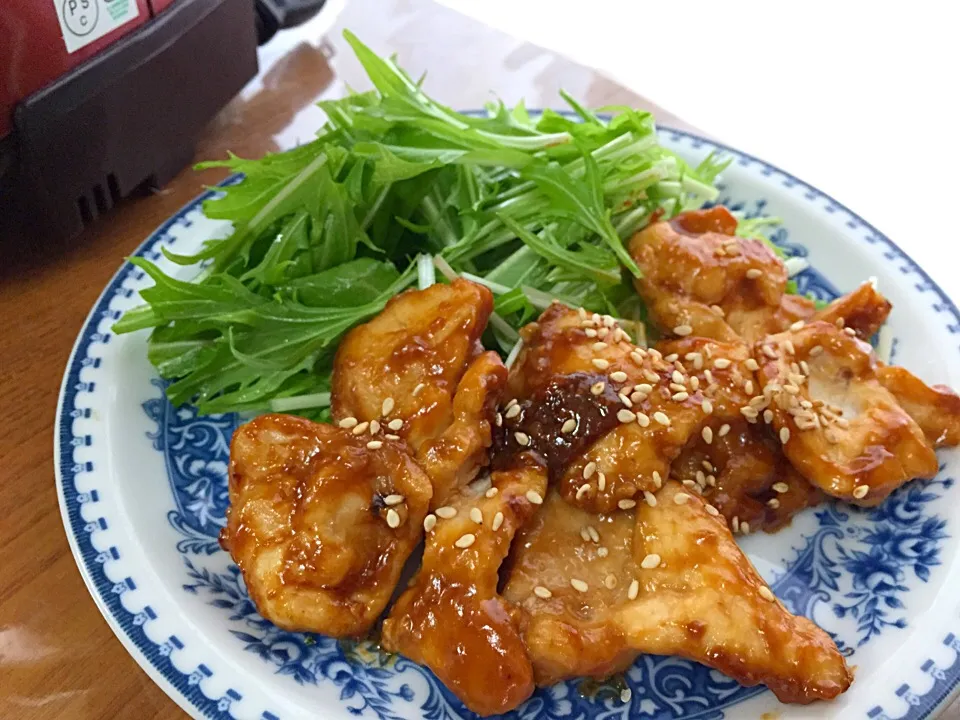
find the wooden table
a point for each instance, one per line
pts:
(58, 658)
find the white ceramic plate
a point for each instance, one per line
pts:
(142, 488)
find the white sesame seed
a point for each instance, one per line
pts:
(446, 512)
(594, 535)
(625, 695)
(680, 396)
(690, 483)
(804, 367)
(650, 561)
(773, 503)
(780, 487)
(627, 504)
(569, 426)
(815, 350)
(784, 435)
(584, 535)
(387, 407)
(643, 420)
(579, 585)
(712, 480)
(651, 376)
(597, 388)
(609, 321)
(391, 500)
(583, 490)
(650, 498)
(708, 375)
(393, 518)
(491, 492)
(374, 444)
(360, 429)
(582, 313)
(626, 416)
(476, 515)
(770, 352)
(374, 427)
(752, 365)
(512, 412)
(627, 402)
(618, 376)
(636, 357)
(745, 528)
(600, 345)
(749, 412)
(797, 326)
(644, 388)
(601, 481)
(681, 498)
(602, 552)
(768, 416)
(348, 422)
(735, 524)
(850, 331)
(596, 318)
(706, 406)
(395, 424)
(418, 388)
(497, 521)
(589, 469)
(748, 387)
(671, 357)
(695, 382)
(610, 581)
(511, 403)
(429, 522)
(682, 330)
(678, 377)
(707, 435)
(590, 333)
(766, 593)
(634, 590)
(522, 438)
(721, 363)
(718, 310)
(465, 541)
(724, 429)
(657, 480)
(534, 497)
(753, 273)
(677, 387)
(661, 418)
(711, 510)
(541, 592)
(499, 420)
(600, 363)
(860, 491)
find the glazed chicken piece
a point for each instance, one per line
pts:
(451, 618)
(936, 409)
(839, 426)
(321, 522)
(607, 417)
(677, 585)
(736, 466)
(699, 278)
(417, 372)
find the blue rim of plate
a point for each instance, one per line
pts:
(184, 688)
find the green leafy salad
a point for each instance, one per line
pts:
(397, 191)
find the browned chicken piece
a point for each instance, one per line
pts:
(699, 278)
(452, 618)
(321, 521)
(864, 310)
(737, 466)
(839, 426)
(936, 409)
(607, 417)
(679, 585)
(417, 371)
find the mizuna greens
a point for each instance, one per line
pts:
(395, 184)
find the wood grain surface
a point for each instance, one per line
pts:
(58, 658)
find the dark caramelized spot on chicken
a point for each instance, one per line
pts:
(543, 415)
(864, 311)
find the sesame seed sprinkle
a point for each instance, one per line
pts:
(780, 487)
(491, 492)
(618, 376)
(602, 552)
(590, 333)
(680, 396)
(348, 422)
(393, 518)
(512, 412)
(650, 561)
(374, 427)
(651, 376)
(583, 490)
(752, 365)
(569, 426)
(374, 445)
(721, 363)
(815, 350)
(766, 593)
(634, 590)
(597, 388)
(598, 346)
(601, 481)
(627, 504)
(784, 435)
(593, 534)
(678, 377)
(497, 521)
(860, 491)
(682, 330)
(429, 522)
(770, 352)
(753, 273)
(610, 581)
(681, 498)
(724, 429)
(534, 497)
(499, 420)
(707, 406)
(627, 402)
(773, 503)
(446, 512)
(601, 364)
(636, 357)
(707, 435)
(671, 357)
(626, 416)
(360, 429)
(418, 388)
(711, 510)
(541, 592)
(768, 416)
(391, 500)
(476, 515)
(579, 585)
(643, 420)
(465, 541)
(625, 695)
(745, 528)
(584, 535)
(387, 407)
(650, 498)
(589, 469)
(395, 424)
(657, 480)
(661, 418)
(522, 438)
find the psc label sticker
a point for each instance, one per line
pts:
(83, 21)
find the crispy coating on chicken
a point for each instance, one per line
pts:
(673, 583)
(321, 522)
(839, 426)
(452, 618)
